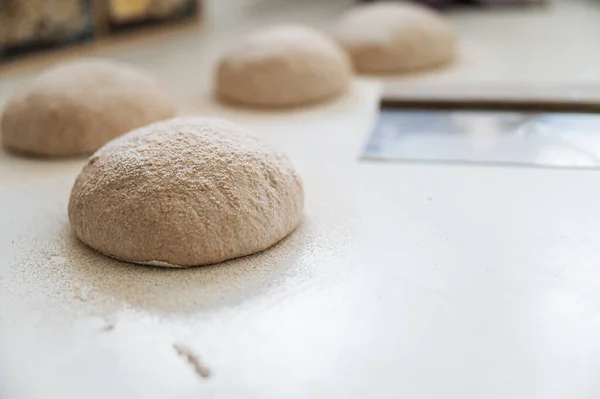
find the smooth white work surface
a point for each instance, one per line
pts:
(414, 281)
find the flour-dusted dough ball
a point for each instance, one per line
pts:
(76, 107)
(185, 192)
(392, 37)
(282, 66)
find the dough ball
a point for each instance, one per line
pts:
(75, 108)
(393, 37)
(185, 192)
(282, 66)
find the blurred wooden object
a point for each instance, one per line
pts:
(128, 10)
(41, 21)
(125, 15)
(123, 11)
(27, 26)
(101, 22)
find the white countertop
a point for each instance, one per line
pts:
(404, 280)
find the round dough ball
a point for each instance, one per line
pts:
(392, 37)
(75, 108)
(282, 66)
(185, 192)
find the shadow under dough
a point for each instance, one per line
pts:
(184, 290)
(23, 166)
(208, 103)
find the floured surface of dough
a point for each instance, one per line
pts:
(185, 192)
(282, 66)
(392, 37)
(77, 107)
